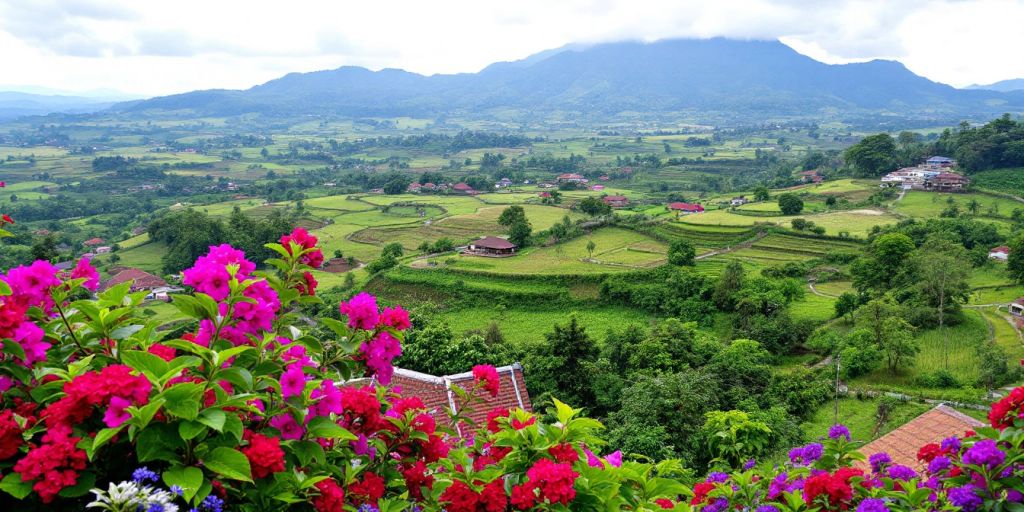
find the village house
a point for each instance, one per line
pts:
(140, 279)
(463, 188)
(999, 253)
(103, 249)
(414, 188)
(92, 242)
(492, 246)
(933, 426)
(811, 176)
(948, 182)
(684, 208)
(597, 188)
(429, 187)
(616, 201)
(1017, 307)
(571, 177)
(544, 195)
(940, 161)
(503, 183)
(437, 395)
(604, 177)
(925, 178)
(738, 201)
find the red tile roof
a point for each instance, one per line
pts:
(434, 391)
(1020, 300)
(93, 241)
(493, 242)
(686, 207)
(933, 426)
(142, 280)
(545, 194)
(1001, 248)
(615, 199)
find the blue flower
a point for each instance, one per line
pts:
(872, 505)
(212, 504)
(366, 507)
(747, 466)
(175, 489)
(155, 507)
(143, 474)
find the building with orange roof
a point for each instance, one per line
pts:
(933, 426)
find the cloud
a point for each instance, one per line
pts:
(159, 47)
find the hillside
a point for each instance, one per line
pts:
(1015, 84)
(17, 104)
(742, 78)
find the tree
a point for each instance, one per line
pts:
(941, 275)
(873, 156)
(730, 282)
(562, 366)
(393, 249)
(519, 229)
(898, 344)
(874, 314)
(45, 249)
(590, 248)
(790, 204)
(733, 438)
(1015, 261)
(973, 206)
(845, 305)
(681, 252)
(761, 193)
(593, 206)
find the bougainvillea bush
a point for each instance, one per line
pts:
(102, 409)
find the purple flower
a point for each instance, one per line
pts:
(717, 477)
(806, 455)
(778, 485)
(900, 472)
(878, 461)
(951, 444)
(938, 464)
(984, 453)
(872, 505)
(767, 508)
(965, 497)
(839, 430)
(718, 505)
(143, 475)
(748, 465)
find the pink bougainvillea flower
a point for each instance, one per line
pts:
(84, 269)
(293, 381)
(361, 311)
(395, 317)
(30, 337)
(487, 376)
(116, 413)
(290, 429)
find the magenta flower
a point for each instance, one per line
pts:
(30, 337)
(84, 269)
(116, 412)
(293, 381)
(395, 317)
(329, 398)
(290, 429)
(361, 311)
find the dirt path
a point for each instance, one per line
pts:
(743, 245)
(810, 284)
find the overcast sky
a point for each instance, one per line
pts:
(152, 47)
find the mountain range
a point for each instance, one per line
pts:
(739, 79)
(1014, 84)
(17, 104)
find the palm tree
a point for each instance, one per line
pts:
(590, 248)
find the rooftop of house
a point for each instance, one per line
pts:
(940, 159)
(141, 278)
(1001, 248)
(493, 242)
(612, 199)
(933, 426)
(93, 241)
(462, 186)
(436, 394)
(689, 207)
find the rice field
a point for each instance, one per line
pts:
(617, 250)
(922, 204)
(857, 223)
(526, 325)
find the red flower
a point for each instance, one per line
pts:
(564, 452)
(368, 490)
(54, 464)
(929, 452)
(665, 503)
(700, 492)
(6, 218)
(395, 317)
(519, 425)
(309, 286)
(416, 478)
(1007, 410)
(493, 497)
(524, 496)
(331, 498)
(264, 454)
(554, 481)
(460, 497)
(486, 375)
(162, 351)
(361, 410)
(306, 241)
(10, 435)
(834, 487)
(492, 418)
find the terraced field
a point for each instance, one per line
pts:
(617, 250)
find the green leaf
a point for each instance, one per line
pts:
(335, 325)
(150, 365)
(13, 349)
(159, 441)
(233, 426)
(125, 332)
(565, 413)
(237, 376)
(184, 399)
(145, 414)
(213, 418)
(4, 289)
(322, 426)
(189, 478)
(85, 482)
(190, 429)
(229, 463)
(308, 451)
(13, 485)
(101, 439)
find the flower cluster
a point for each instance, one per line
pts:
(486, 376)
(380, 349)
(1008, 410)
(547, 482)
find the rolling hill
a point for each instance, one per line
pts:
(751, 78)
